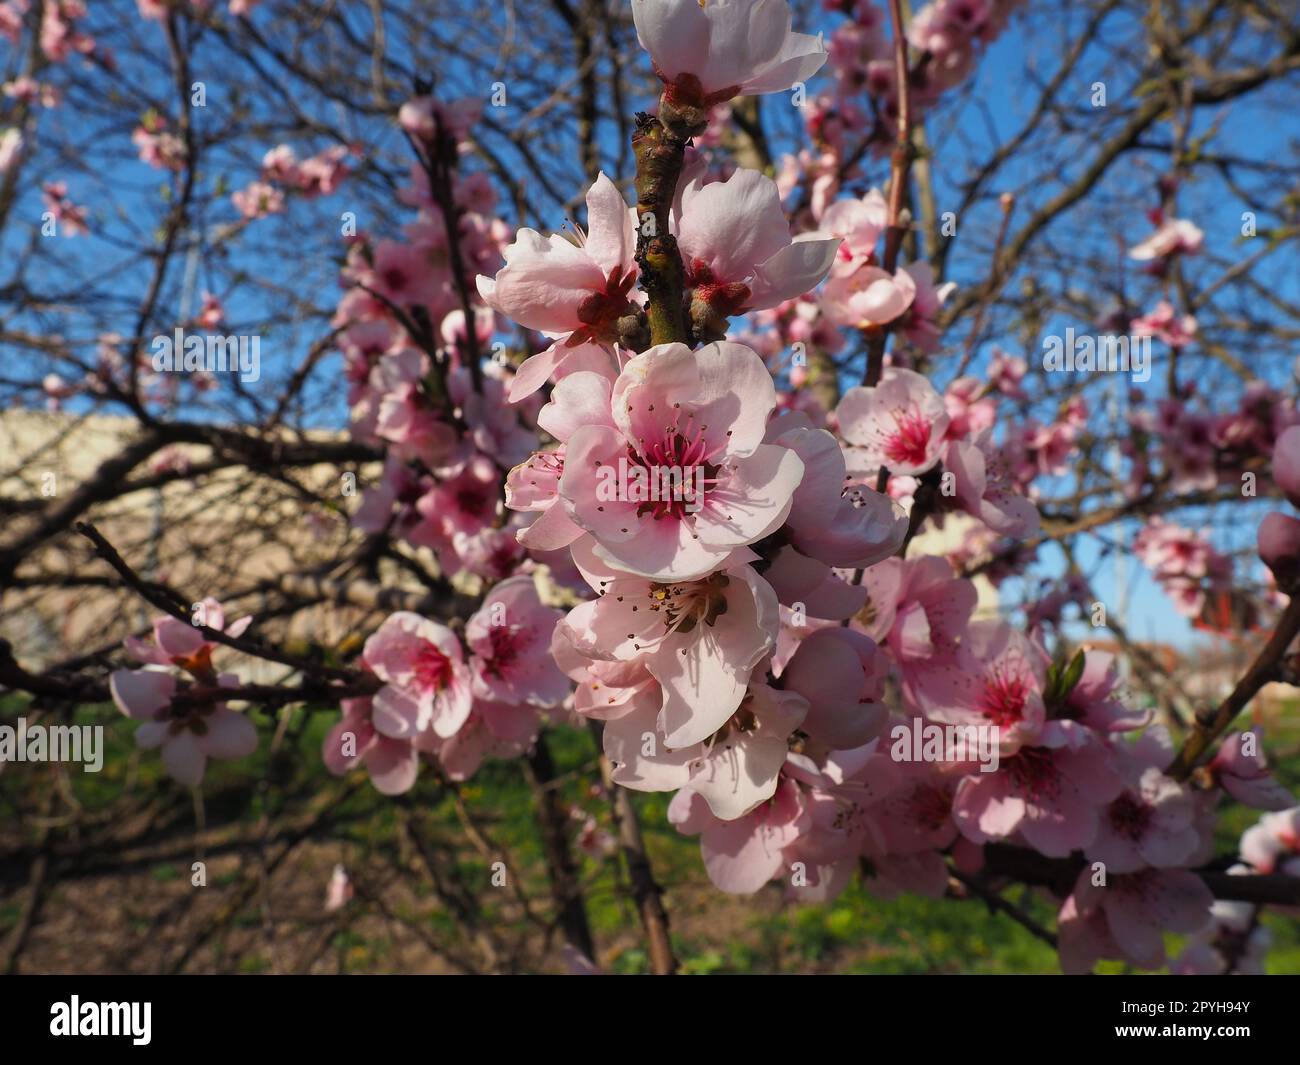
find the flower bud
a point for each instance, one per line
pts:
(1286, 464)
(1279, 547)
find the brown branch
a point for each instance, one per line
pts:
(561, 869)
(1059, 876)
(156, 596)
(997, 904)
(1211, 723)
(645, 889)
(900, 160)
(659, 155)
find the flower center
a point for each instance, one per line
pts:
(678, 467)
(910, 439)
(600, 311)
(1004, 699)
(432, 668)
(198, 664)
(727, 298)
(684, 606)
(930, 807)
(507, 641)
(1129, 817)
(1034, 774)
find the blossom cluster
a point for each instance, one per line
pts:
(858, 118)
(756, 637)
(318, 175)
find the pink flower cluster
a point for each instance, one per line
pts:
(177, 696)
(1198, 450)
(458, 701)
(68, 217)
(1279, 534)
(859, 117)
(158, 146)
(282, 172)
(1184, 562)
(742, 620)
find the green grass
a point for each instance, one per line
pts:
(713, 932)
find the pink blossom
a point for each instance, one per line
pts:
(404, 415)
(1151, 823)
(834, 523)
(1240, 769)
(736, 246)
(1128, 916)
(495, 427)
(899, 424)
(1234, 942)
(212, 314)
(465, 502)
(392, 764)
(699, 416)
(708, 53)
(734, 771)
(920, 325)
(868, 297)
(11, 20)
(65, 213)
(402, 488)
(605, 689)
(1184, 562)
(1286, 464)
(700, 639)
(1176, 236)
(970, 408)
(509, 637)
(158, 147)
(322, 174)
(422, 116)
(1273, 844)
(257, 200)
(982, 487)
(1006, 374)
(918, 610)
(426, 681)
(995, 679)
(402, 274)
(917, 814)
(841, 673)
(533, 486)
(859, 223)
(186, 717)
(280, 165)
(1278, 541)
(1094, 702)
(742, 855)
(501, 730)
(29, 90)
(562, 287)
(1052, 793)
(1164, 323)
(493, 554)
